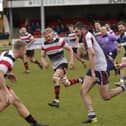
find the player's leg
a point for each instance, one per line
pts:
(26, 65)
(3, 101)
(70, 82)
(56, 81)
(23, 111)
(112, 57)
(105, 92)
(33, 59)
(122, 71)
(86, 87)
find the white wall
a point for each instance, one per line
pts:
(1, 5)
(37, 3)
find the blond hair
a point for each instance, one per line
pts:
(48, 30)
(19, 44)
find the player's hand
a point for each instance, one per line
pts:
(118, 66)
(71, 65)
(10, 98)
(12, 77)
(84, 64)
(93, 76)
(7, 95)
(119, 47)
(46, 65)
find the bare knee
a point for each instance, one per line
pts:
(83, 91)
(3, 105)
(31, 60)
(56, 78)
(106, 97)
(16, 101)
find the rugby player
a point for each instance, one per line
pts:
(96, 73)
(109, 46)
(121, 40)
(74, 43)
(7, 95)
(54, 48)
(29, 39)
(97, 30)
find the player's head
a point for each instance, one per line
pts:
(71, 27)
(49, 35)
(97, 25)
(103, 30)
(107, 25)
(22, 30)
(80, 29)
(19, 48)
(122, 27)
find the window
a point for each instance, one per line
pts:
(1, 5)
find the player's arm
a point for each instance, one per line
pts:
(69, 48)
(6, 94)
(91, 54)
(3, 82)
(118, 44)
(43, 57)
(77, 39)
(12, 77)
(120, 66)
(31, 39)
(114, 38)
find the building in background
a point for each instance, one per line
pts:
(36, 14)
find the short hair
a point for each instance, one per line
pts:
(121, 23)
(19, 44)
(48, 30)
(80, 26)
(70, 25)
(23, 27)
(97, 21)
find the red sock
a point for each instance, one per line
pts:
(37, 62)
(57, 91)
(26, 65)
(73, 81)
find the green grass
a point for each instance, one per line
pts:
(36, 90)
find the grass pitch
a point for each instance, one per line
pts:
(36, 90)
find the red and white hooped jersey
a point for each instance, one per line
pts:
(26, 37)
(7, 60)
(55, 51)
(73, 40)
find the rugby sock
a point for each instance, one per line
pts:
(57, 91)
(123, 86)
(26, 65)
(30, 119)
(91, 115)
(73, 81)
(37, 62)
(91, 118)
(122, 80)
